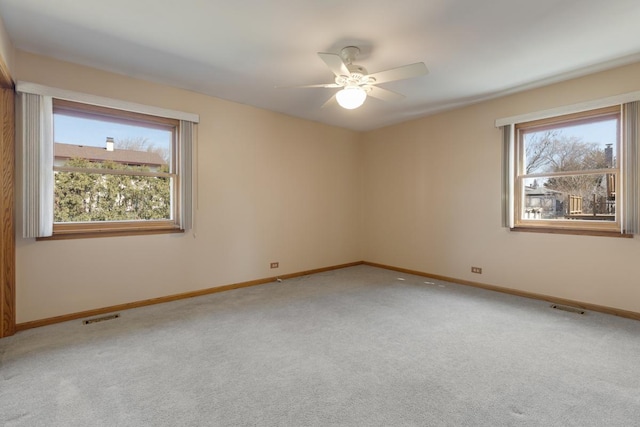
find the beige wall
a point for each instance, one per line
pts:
(432, 200)
(6, 47)
(270, 188)
(423, 195)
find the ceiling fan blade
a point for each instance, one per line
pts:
(330, 102)
(328, 85)
(400, 73)
(385, 94)
(335, 63)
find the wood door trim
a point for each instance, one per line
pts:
(7, 204)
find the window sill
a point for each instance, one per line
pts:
(68, 232)
(553, 230)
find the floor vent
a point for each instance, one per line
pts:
(567, 308)
(100, 319)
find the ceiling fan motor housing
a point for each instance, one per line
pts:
(356, 78)
(349, 54)
(357, 69)
(357, 72)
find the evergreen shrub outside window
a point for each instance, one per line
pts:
(82, 197)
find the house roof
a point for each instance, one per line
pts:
(98, 154)
(541, 190)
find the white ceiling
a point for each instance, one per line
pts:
(241, 50)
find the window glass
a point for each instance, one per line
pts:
(572, 147)
(567, 170)
(572, 197)
(112, 165)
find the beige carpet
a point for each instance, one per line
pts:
(351, 347)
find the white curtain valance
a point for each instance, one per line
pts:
(570, 109)
(37, 89)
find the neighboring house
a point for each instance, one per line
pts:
(542, 203)
(64, 152)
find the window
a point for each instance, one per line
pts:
(567, 170)
(112, 169)
(94, 166)
(574, 169)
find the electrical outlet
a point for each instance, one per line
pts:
(275, 264)
(477, 270)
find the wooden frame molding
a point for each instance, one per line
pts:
(587, 224)
(7, 203)
(119, 227)
(175, 297)
(91, 231)
(557, 230)
(556, 300)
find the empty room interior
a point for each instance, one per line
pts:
(460, 248)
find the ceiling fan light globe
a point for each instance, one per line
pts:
(351, 97)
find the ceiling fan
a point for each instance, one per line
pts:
(357, 83)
